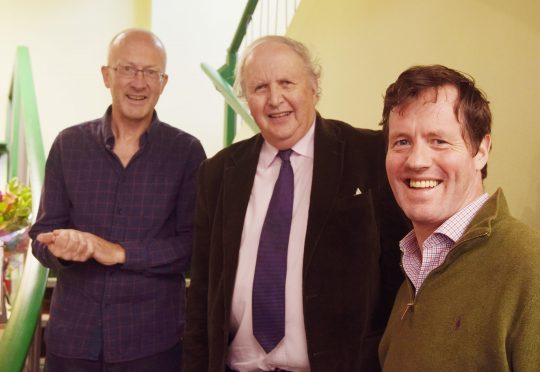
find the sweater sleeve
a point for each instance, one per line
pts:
(525, 335)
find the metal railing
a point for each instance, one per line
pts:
(27, 162)
(264, 17)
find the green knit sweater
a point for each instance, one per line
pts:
(480, 310)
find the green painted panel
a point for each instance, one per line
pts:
(17, 336)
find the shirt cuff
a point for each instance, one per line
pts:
(136, 256)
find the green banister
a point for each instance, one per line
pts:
(227, 71)
(242, 26)
(13, 131)
(35, 152)
(17, 336)
(230, 98)
(229, 129)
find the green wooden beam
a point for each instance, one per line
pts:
(240, 33)
(17, 336)
(227, 73)
(13, 131)
(230, 97)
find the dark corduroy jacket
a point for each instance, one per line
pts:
(351, 257)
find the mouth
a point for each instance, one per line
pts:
(422, 184)
(278, 115)
(136, 97)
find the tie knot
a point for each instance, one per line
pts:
(285, 155)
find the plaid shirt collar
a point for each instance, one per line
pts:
(107, 134)
(437, 245)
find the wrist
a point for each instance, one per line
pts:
(120, 254)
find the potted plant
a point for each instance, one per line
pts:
(15, 210)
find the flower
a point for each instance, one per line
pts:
(15, 206)
(15, 209)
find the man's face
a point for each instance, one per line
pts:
(134, 98)
(280, 94)
(431, 168)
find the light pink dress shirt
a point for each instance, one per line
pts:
(417, 265)
(245, 353)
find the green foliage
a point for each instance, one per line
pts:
(15, 206)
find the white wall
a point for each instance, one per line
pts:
(195, 32)
(68, 42)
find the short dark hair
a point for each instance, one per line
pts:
(471, 107)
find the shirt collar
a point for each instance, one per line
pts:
(453, 228)
(107, 134)
(303, 147)
(409, 243)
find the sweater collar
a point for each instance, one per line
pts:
(494, 209)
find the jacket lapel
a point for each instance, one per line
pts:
(327, 174)
(239, 174)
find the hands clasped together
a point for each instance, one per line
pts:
(75, 245)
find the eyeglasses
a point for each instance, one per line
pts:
(129, 71)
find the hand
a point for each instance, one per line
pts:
(68, 244)
(107, 253)
(74, 245)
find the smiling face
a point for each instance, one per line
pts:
(432, 169)
(134, 98)
(280, 93)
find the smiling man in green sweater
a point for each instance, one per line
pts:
(471, 300)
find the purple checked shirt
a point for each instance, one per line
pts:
(129, 311)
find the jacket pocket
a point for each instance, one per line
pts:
(354, 201)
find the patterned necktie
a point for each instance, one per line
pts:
(271, 269)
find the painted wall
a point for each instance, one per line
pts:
(194, 32)
(363, 45)
(68, 44)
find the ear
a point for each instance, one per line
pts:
(106, 76)
(164, 82)
(315, 90)
(482, 155)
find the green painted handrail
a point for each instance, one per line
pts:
(17, 336)
(230, 98)
(227, 74)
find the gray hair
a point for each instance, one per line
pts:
(311, 65)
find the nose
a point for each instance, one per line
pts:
(139, 79)
(276, 96)
(419, 157)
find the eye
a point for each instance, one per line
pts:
(439, 142)
(260, 88)
(127, 69)
(399, 144)
(286, 83)
(150, 73)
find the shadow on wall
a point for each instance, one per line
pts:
(531, 213)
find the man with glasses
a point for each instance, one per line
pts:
(115, 223)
